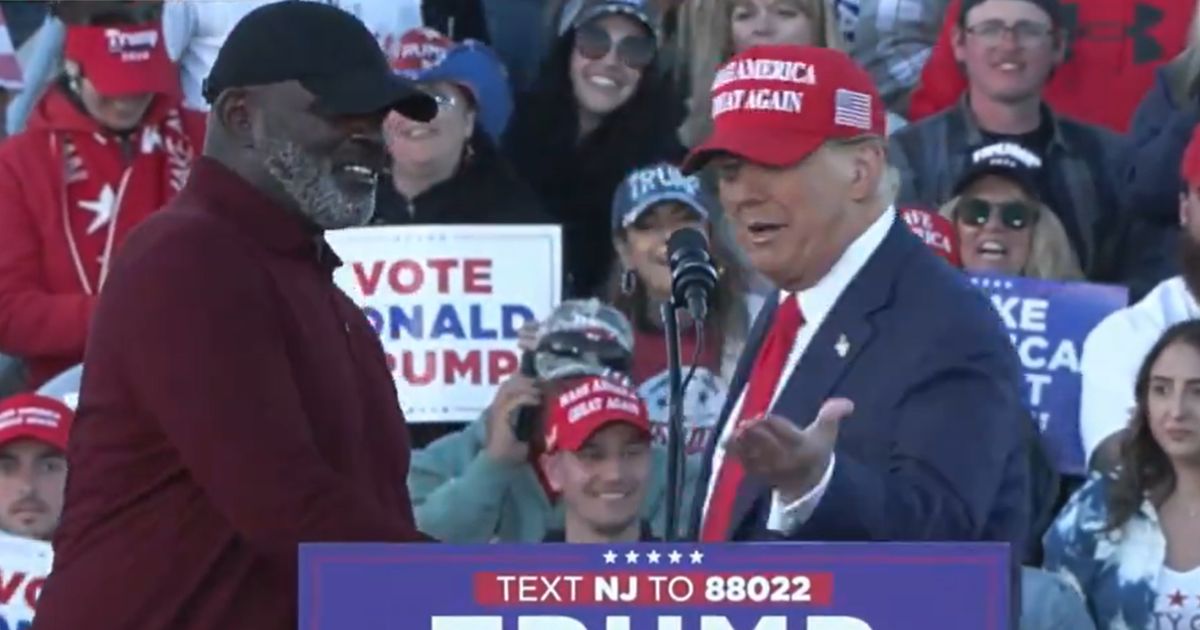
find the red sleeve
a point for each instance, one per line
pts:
(33, 321)
(941, 81)
(207, 359)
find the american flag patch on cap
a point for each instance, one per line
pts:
(852, 109)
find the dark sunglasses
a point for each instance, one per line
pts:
(635, 51)
(590, 348)
(1014, 215)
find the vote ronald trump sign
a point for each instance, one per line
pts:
(447, 303)
(655, 586)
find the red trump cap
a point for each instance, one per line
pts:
(775, 105)
(585, 405)
(122, 60)
(35, 417)
(936, 231)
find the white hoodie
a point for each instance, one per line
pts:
(1113, 354)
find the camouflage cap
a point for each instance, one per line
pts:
(592, 323)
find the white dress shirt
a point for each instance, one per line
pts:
(815, 303)
(1114, 351)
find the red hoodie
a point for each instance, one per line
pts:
(1115, 47)
(55, 238)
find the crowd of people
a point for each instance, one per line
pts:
(1052, 139)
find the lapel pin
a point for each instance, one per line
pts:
(842, 346)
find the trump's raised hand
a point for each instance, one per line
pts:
(792, 460)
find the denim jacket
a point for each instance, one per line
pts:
(1116, 570)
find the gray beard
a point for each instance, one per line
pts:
(309, 180)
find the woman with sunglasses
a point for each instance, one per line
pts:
(598, 110)
(1001, 224)
(448, 170)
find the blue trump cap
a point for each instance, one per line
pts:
(647, 187)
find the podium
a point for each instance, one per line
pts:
(656, 586)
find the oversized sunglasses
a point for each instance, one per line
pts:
(1014, 215)
(635, 51)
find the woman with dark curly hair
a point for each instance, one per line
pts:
(599, 109)
(1130, 541)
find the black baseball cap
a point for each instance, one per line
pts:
(1007, 159)
(329, 51)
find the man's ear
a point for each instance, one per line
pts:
(552, 466)
(958, 41)
(1061, 40)
(233, 113)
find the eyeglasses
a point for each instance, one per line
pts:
(1014, 215)
(635, 51)
(1024, 32)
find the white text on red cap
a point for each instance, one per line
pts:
(796, 72)
(763, 99)
(594, 386)
(132, 46)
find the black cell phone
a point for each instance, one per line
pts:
(526, 425)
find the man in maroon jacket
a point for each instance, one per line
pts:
(235, 403)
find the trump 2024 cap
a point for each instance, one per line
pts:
(775, 105)
(327, 50)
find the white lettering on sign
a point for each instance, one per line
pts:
(664, 622)
(795, 72)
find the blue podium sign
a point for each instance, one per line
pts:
(655, 586)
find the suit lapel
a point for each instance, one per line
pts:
(754, 340)
(846, 330)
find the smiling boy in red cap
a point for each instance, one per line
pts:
(597, 459)
(33, 464)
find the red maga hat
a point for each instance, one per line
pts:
(775, 105)
(35, 417)
(586, 405)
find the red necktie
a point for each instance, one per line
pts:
(760, 389)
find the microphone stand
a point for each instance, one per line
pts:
(675, 453)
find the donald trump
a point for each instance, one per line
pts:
(878, 396)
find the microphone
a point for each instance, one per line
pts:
(693, 276)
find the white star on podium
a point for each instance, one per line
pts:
(610, 557)
(697, 557)
(675, 557)
(653, 557)
(102, 207)
(631, 557)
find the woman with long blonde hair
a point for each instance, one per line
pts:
(1001, 225)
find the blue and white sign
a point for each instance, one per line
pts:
(655, 586)
(1048, 322)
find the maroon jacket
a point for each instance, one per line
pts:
(235, 403)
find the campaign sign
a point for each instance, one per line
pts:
(24, 565)
(1048, 322)
(655, 586)
(448, 302)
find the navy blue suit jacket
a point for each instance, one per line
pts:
(937, 448)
